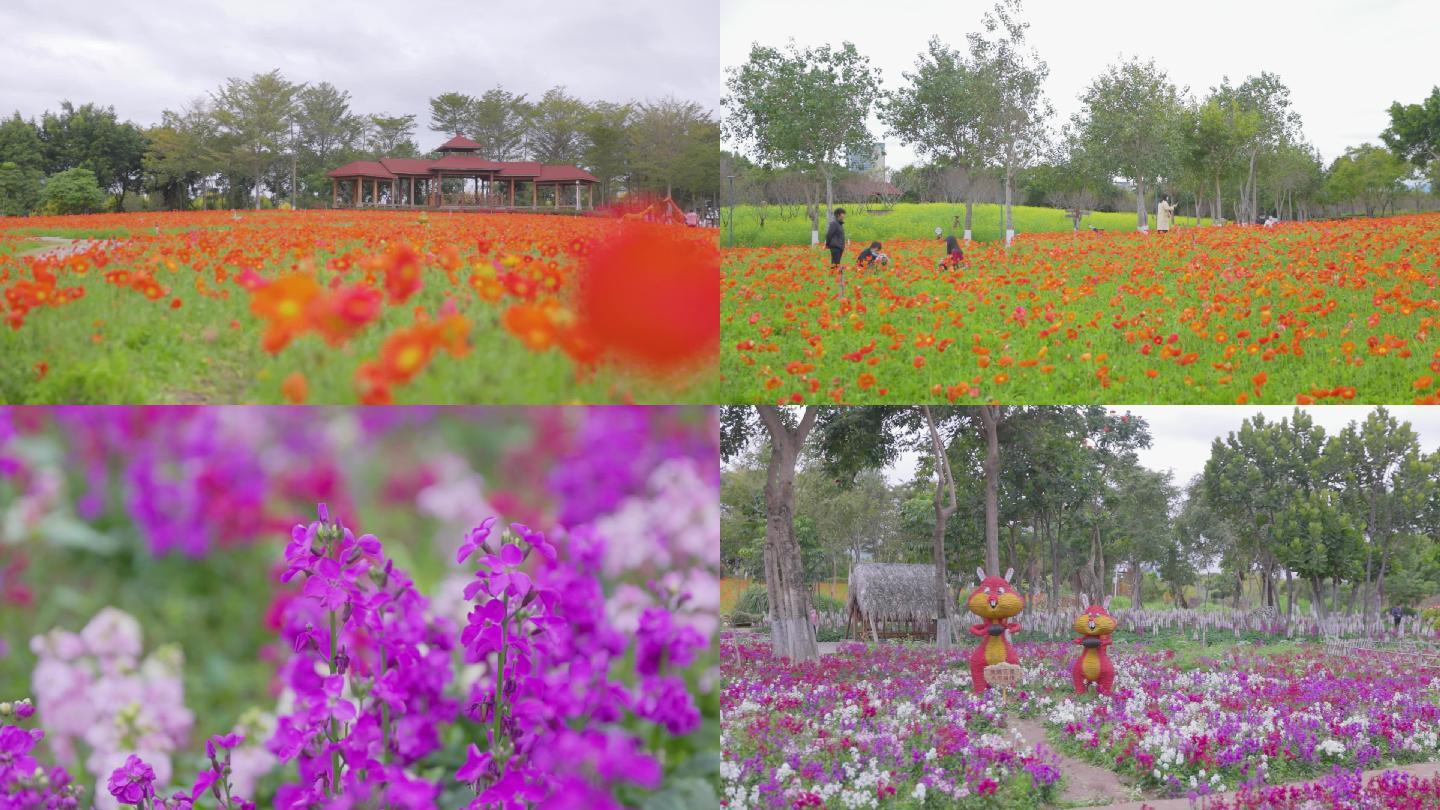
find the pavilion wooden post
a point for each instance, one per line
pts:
(590, 195)
(556, 186)
(577, 195)
(374, 191)
(512, 192)
(334, 192)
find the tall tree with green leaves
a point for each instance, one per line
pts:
(20, 143)
(498, 119)
(1215, 134)
(1013, 107)
(1414, 133)
(391, 135)
(557, 128)
(93, 137)
(1130, 121)
(1368, 174)
(938, 111)
(182, 153)
(1268, 97)
(662, 133)
(608, 146)
(253, 117)
(451, 113)
(802, 108)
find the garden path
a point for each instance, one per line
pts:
(57, 246)
(1084, 783)
(1424, 770)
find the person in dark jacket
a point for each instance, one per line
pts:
(835, 240)
(871, 255)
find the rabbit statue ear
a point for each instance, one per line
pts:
(979, 574)
(1106, 604)
(1009, 574)
(1084, 601)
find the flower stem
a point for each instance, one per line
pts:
(334, 753)
(500, 680)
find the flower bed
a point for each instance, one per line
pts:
(892, 725)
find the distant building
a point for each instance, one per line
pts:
(871, 163)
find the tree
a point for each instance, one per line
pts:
(19, 189)
(1129, 123)
(73, 191)
(20, 143)
(182, 153)
(1368, 173)
(451, 113)
(326, 124)
(498, 120)
(608, 146)
(938, 111)
(791, 634)
(392, 135)
(945, 485)
(1013, 107)
(1214, 137)
(1269, 98)
(662, 134)
(93, 138)
(802, 108)
(253, 116)
(557, 128)
(1414, 131)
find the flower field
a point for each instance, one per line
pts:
(897, 726)
(400, 608)
(1319, 312)
(355, 306)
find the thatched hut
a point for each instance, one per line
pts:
(893, 600)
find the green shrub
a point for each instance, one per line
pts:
(740, 619)
(753, 600)
(73, 191)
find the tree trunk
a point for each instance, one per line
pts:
(943, 512)
(1219, 212)
(969, 211)
(829, 198)
(791, 633)
(1009, 215)
(1142, 222)
(1136, 594)
(990, 415)
(1319, 592)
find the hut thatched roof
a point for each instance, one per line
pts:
(893, 591)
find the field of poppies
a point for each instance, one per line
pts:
(356, 306)
(897, 726)
(231, 607)
(1336, 311)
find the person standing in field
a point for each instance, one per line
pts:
(1164, 213)
(835, 241)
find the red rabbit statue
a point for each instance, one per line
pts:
(1094, 626)
(994, 600)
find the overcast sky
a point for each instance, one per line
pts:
(1181, 434)
(391, 57)
(1345, 61)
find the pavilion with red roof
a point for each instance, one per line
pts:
(461, 179)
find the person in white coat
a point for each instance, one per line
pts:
(1164, 214)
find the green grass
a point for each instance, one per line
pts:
(913, 221)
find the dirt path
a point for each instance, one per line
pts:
(1424, 770)
(58, 247)
(1084, 783)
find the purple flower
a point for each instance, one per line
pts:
(327, 585)
(477, 764)
(475, 540)
(133, 782)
